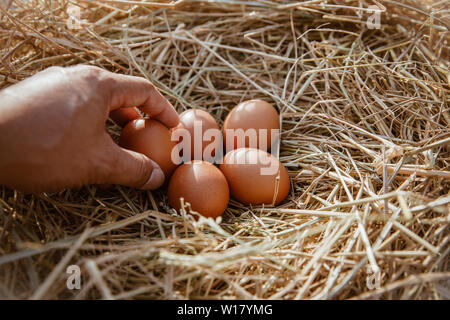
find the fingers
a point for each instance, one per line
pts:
(128, 91)
(161, 109)
(124, 116)
(133, 169)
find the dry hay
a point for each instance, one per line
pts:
(366, 135)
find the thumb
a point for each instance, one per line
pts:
(134, 169)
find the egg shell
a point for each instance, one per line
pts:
(153, 139)
(202, 185)
(251, 114)
(188, 120)
(252, 176)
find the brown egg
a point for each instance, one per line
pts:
(253, 114)
(152, 138)
(252, 176)
(202, 185)
(197, 122)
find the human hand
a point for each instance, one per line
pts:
(53, 136)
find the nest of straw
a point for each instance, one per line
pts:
(366, 141)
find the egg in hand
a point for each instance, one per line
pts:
(153, 139)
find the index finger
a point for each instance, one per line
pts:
(129, 91)
(123, 116)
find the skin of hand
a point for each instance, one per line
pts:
(53, 135)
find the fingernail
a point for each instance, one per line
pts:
(156, 178)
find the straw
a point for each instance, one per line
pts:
(366, 129)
